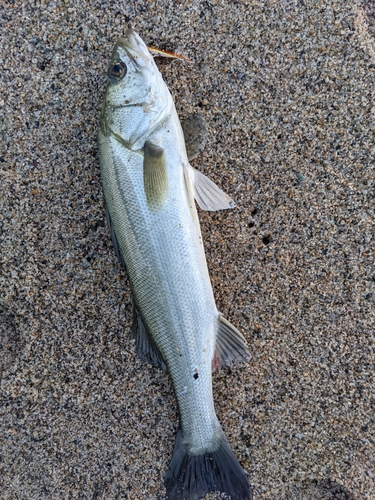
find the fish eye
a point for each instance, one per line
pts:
(117, 70)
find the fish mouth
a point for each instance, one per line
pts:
(135, 48)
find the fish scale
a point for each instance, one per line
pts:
(148, 187)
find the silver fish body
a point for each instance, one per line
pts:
(149, 188)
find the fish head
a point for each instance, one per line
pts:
(137, 99)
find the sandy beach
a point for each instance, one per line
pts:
(287, 90)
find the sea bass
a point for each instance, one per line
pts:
(149, 189)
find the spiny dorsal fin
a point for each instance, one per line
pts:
(146, 348)
(155, 177)
(230, 346)
(208, 195)
(195, 133)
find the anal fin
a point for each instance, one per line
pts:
(230, 346)
(146, 348)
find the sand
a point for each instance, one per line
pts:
(287, 90)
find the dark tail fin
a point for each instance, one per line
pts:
(191, 477)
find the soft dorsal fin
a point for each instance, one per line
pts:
(195, 133)
(207, 194)
(230, 346)
(155, 176)
(146, 348)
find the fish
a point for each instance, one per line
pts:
(149, 190)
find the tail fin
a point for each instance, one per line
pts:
(191, 477)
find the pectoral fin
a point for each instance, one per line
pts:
(207, 194)
(155, 176)
(230, 346)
